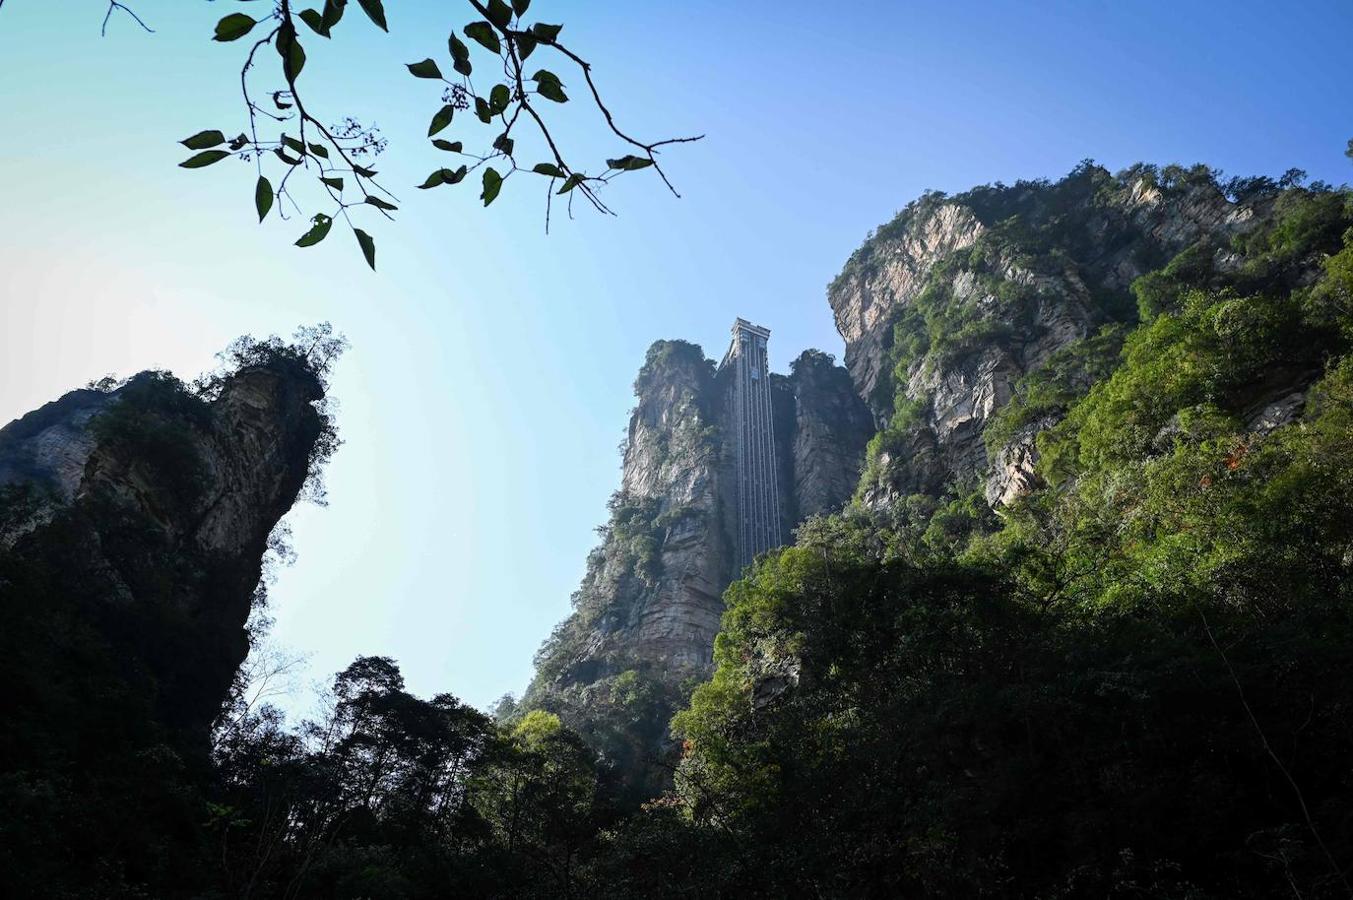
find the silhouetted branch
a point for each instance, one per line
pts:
(334, 153)
(112, 5)
(649, 149)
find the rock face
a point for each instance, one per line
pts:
(668, 553)
(830, 428)
(1013, 469)
(673, 470)
(50, 445)
(143, 513)
(651, 599)
(944, 309)
(886, 274)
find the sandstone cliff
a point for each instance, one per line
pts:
(948, 306)
(829, 427)
(649, 606)
(133, 523)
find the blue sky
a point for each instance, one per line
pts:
(491, 368)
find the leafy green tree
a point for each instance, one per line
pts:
(537, 790)
(389, 795)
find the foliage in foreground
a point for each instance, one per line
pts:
(337, 155)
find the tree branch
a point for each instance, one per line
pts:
(112, 5)
(649, 149)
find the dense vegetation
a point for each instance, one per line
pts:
(1133, 682)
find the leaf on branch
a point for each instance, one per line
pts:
(629, 163)
(364, 172)
(520, 6)
(493, 183)
(526, 44)
(375, 11)
(277, 99)
(319, 230)
(504, 143)
(205, 158)
(316, 22)
(441, 119)
(483, 34)
(294, 144)
(263, 197)
(233, 27)
(425, 69)
(499, 98)
(295, 61)
(460, 55)
(499, 13)
(333, 12)
(289, 160)
(546, 33)
(204, 140)
(549, 86)
(368, 247)
(319, 150)
(551, 90)
(291, 51)
(444, 176)
(448, 146)
(380, 204)
(549, 169)
(483, 110)
(572, 182)
(335, 183)
(239, 141)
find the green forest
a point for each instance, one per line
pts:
(1135, 681)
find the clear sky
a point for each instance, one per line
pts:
(491, 368)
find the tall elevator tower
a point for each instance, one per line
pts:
(753, 439)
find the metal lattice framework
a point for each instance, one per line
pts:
(753, 437)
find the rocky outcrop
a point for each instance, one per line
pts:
(1277, 413)
(50, 445)
(831, 426)
(949, 305)
(912, 463)
(652, 592)
(144, 513)
(672, 471)
(1013, 468)
(886, 274)
(651, 600)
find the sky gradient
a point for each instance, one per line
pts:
(491, 365)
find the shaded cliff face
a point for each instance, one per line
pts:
(649, 606)
(946, 308)
(826, 444)
(133, 524)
